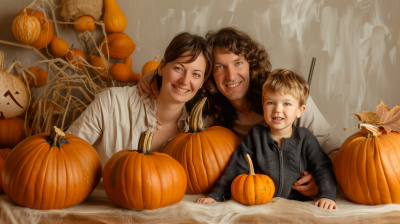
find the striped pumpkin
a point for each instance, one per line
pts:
(26, 29)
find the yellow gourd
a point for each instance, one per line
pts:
(113, 18)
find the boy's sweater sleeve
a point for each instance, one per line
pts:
(237, 165)
(320, 166)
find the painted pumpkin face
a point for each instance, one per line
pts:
(13, 96)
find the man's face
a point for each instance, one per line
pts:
(231, 74)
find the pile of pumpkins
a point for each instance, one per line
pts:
(133, 179)
(28, 28)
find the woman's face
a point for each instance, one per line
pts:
(182, 80)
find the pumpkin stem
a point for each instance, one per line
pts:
(196, 118)
(57, 137)
(155, 59)
(25, 12)
(1, 61)
(146, 138)
(372, 130)
(251, 167)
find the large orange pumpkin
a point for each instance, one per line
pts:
(51, 170)
(46, 28)
(252, 189)
(26, 28)
(204, 153)
(139, 179)
(367, 166)
(3, 155)
(120, 45)
(113, 18)
(122, 72)
(150, 65)
(12, 132)
(40, 77)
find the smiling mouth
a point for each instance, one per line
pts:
(278, 118)
(233, 85)
(182, 90)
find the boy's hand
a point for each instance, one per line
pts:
(307, 190)
(145, 85)
(206, 200)
(326, 203)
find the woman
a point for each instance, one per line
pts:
(117, 116)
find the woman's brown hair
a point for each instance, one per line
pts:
(238, 42)
(195, 45)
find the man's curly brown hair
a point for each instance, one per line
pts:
(238, 42)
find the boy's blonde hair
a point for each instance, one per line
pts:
(287, 82)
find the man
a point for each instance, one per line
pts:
(234, 91)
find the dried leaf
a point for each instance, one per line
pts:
(391, 121)
(383, 110)
(368, 117)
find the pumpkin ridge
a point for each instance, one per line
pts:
(136, 170)
(394, 143)
(203, 150)
(212, 143)
(16, 175)
(36, 154)
(46, 159)
(129, 172)
(121, 182)
(161, 187)
(196, 186)
(183, 155)
(66, 179)
(393, 183)
(384, 174)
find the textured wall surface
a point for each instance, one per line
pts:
(356, 43)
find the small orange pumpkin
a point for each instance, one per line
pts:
(54, 170)
(98, 62)
(113, 18)
(203, 153)
(122, 72)
(150, 66)
(140, 179)
(120, 45)
(252, 189)
(367, 166)
(59, 47)
(40, 77)
(81, 27)
(26, 29)
(3, 155)
(12, 132)
(46, 31)
(75, 53)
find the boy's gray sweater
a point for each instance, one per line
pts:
(299, 153)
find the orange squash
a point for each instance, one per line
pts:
(113, 18)
(75, 53)
(3, 155)
(26, 28)
(54, 170)
(83, 26)
(203, 153)
(122, 72)
(140, 179)
(59, 47)
(98, 62)
(367, 166)
(12, 132)
(150, 66)
(46, 31)
(252, 189)
(40, 76)
(120, 45)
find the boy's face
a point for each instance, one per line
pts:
(231, 74)
(280, 110)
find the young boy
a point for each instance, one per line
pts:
(282, 151)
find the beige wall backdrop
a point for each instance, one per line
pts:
(356, 43)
